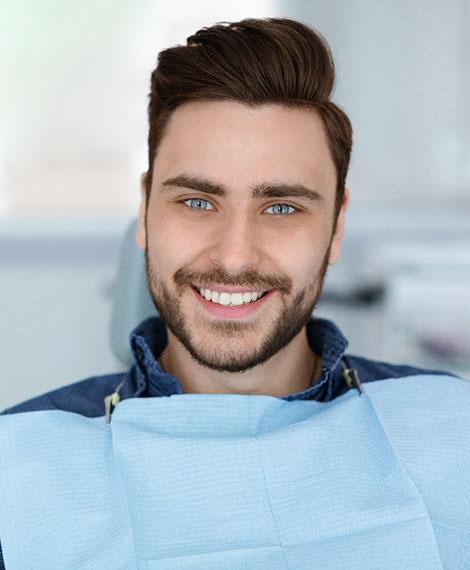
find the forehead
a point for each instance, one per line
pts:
(237, 144)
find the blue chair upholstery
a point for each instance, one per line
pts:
(132, 301)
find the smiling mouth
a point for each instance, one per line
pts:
(230, 299)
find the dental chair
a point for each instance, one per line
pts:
(132, 301)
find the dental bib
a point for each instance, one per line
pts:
(211, 482)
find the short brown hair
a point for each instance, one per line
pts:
(254, 61)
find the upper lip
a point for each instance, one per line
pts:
(225, 289)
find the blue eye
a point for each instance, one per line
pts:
(281, 209)
(198, 204)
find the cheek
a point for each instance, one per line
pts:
(170, 247)
(304, 264)
(302, 249)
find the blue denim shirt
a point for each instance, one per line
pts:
(147, 379)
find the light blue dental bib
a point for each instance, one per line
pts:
(211, 482)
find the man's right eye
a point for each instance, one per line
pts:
(198, 204)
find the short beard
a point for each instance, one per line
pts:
(289, 323)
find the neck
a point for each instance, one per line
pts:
(293, 369)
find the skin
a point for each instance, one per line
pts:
(239, 240)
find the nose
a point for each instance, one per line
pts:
(236, 247)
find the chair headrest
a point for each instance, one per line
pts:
(132, 301)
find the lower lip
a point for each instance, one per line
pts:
(226, 312)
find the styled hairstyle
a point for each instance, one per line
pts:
(254, 61)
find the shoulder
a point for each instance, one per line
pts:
(85, 397)
(426, 421)
(420, 398)
(419, 405)
(370, 370)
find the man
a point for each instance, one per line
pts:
(244, 436)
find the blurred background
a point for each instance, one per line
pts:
(74, 79)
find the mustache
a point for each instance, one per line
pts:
(218, 276)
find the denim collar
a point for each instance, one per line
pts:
(149, 339)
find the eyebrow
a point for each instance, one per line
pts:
(262, 190)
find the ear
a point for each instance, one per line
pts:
(335, 250)
(140, 234)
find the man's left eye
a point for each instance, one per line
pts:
(281, 209)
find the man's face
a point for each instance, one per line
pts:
(206, 229)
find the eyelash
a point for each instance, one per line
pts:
(207, 202)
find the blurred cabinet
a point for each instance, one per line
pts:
(428, 317)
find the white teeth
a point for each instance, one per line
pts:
(224, 299)
(233, 299)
